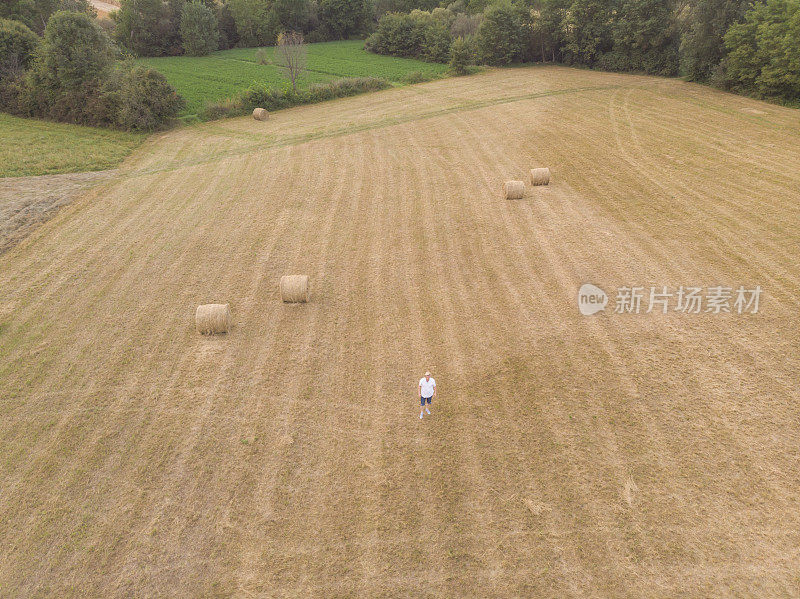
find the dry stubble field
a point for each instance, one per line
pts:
(617, 455)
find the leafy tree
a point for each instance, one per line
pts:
(644, 38)
(588, 31)
(69, 69)
(548, 31)
(293, 15)
(74, 53)
(199, 31)
(143, 27)
(397, 34)
(340, 19)
(460, 56)
(256, 23)
(702, 43)
(36, 13)
(503, 34)
(78, 6)
(404, 6)
(228, 36)
(764, 50)
(17, 46)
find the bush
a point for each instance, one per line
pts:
(416, 77)
(145, 100)
(460, 56)
(17, 46)
(13, 92)
(261, 96)
(396, 35)
(199, 32)
(503, 34)
(419, 34)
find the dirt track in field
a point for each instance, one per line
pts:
(617, 455)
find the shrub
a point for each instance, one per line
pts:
(17, 46)
(418, 34)
(460, 56)
(503, 33)
(261, 96)
(13, 91)
(199, 32)
(146, 100)
(416, 77)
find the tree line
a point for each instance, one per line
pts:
(747, 46)
(162, 27)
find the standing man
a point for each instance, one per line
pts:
(427, 391)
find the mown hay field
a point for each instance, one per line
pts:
(625, 455)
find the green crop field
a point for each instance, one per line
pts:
(222, 74)
(34, 147)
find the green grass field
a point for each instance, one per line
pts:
(222, 74)
(34, 147)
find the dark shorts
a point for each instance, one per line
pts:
(422, 400)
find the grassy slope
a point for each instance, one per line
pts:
(222, 74)
(650, 455)
(34, 147)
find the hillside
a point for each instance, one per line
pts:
(625, 455)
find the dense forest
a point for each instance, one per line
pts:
(58, 61)
(741, 45)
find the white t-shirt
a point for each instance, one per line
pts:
(427, 387)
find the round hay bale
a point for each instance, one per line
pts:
(294, 288)
(260, 114)
(540, 176)
(514, 190)
(213, 318)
